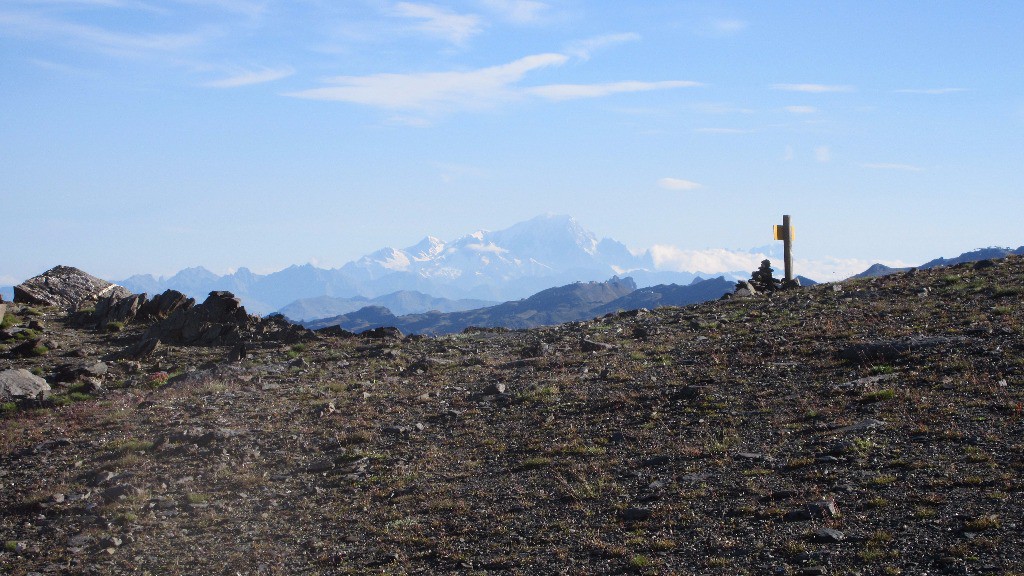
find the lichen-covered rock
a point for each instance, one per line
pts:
(67, 287)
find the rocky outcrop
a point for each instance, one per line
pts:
(67, 287)
(137, 307)
(20, 384)
(220, 319)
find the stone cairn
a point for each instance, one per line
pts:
(763, 280)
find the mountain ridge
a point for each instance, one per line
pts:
(502, 265)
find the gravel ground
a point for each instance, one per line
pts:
(872, 427)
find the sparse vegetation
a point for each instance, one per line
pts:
(743, 437)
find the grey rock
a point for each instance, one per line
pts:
(115, 308)
(636, 514)
(20, 384)
(3, 310)
(80, 541)
(320, 466)
(75, 372)
(828, 536)
(868, 424)
(118, 492)
(165, 304)
(495, 388)
(142, 348)
(67, 287)
(592, 346)
(821, 509)
(220, 319)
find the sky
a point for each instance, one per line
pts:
(146, 136)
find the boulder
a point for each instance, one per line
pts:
(165, 304)
(114, 309)
(20, 384)
(67, 287)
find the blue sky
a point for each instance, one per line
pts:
(147, 136)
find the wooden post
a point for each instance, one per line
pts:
(786, 233)
(787, 248)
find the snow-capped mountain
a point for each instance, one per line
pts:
(546, 246)
(497, 265)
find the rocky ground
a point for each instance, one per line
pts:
(873, 427)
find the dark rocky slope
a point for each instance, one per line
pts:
(873, 427)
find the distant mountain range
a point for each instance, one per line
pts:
(992, 253)
(569, 303)
(400, 303)
(491, 266)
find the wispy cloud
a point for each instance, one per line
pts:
(584, 48)
(249, 77)
(712, 130)
(677, 184)
(726, 26)
(573, 91)
(439, 22)
(96, 38)
(429, 90)
(823, 154)
(801, 109)
(931, 90)
(473, 89)
(518, 11)
(720, 108)
(250, 8)
(813, 88)
(892, 166)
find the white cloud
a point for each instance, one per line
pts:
(438, 22)
(787, 154)
(96, 38)
(892, 166)
(720, 108)
(822, 154)
(518, 11)
(727, 26)
(710, 261)
(677, 184)
(490, 247)
(814, 88)
(472, 89)
(573, 91)
(427, 90)
(249, 77)
(931, 90)
(584, 48)
(721, 260)
(801, 109)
